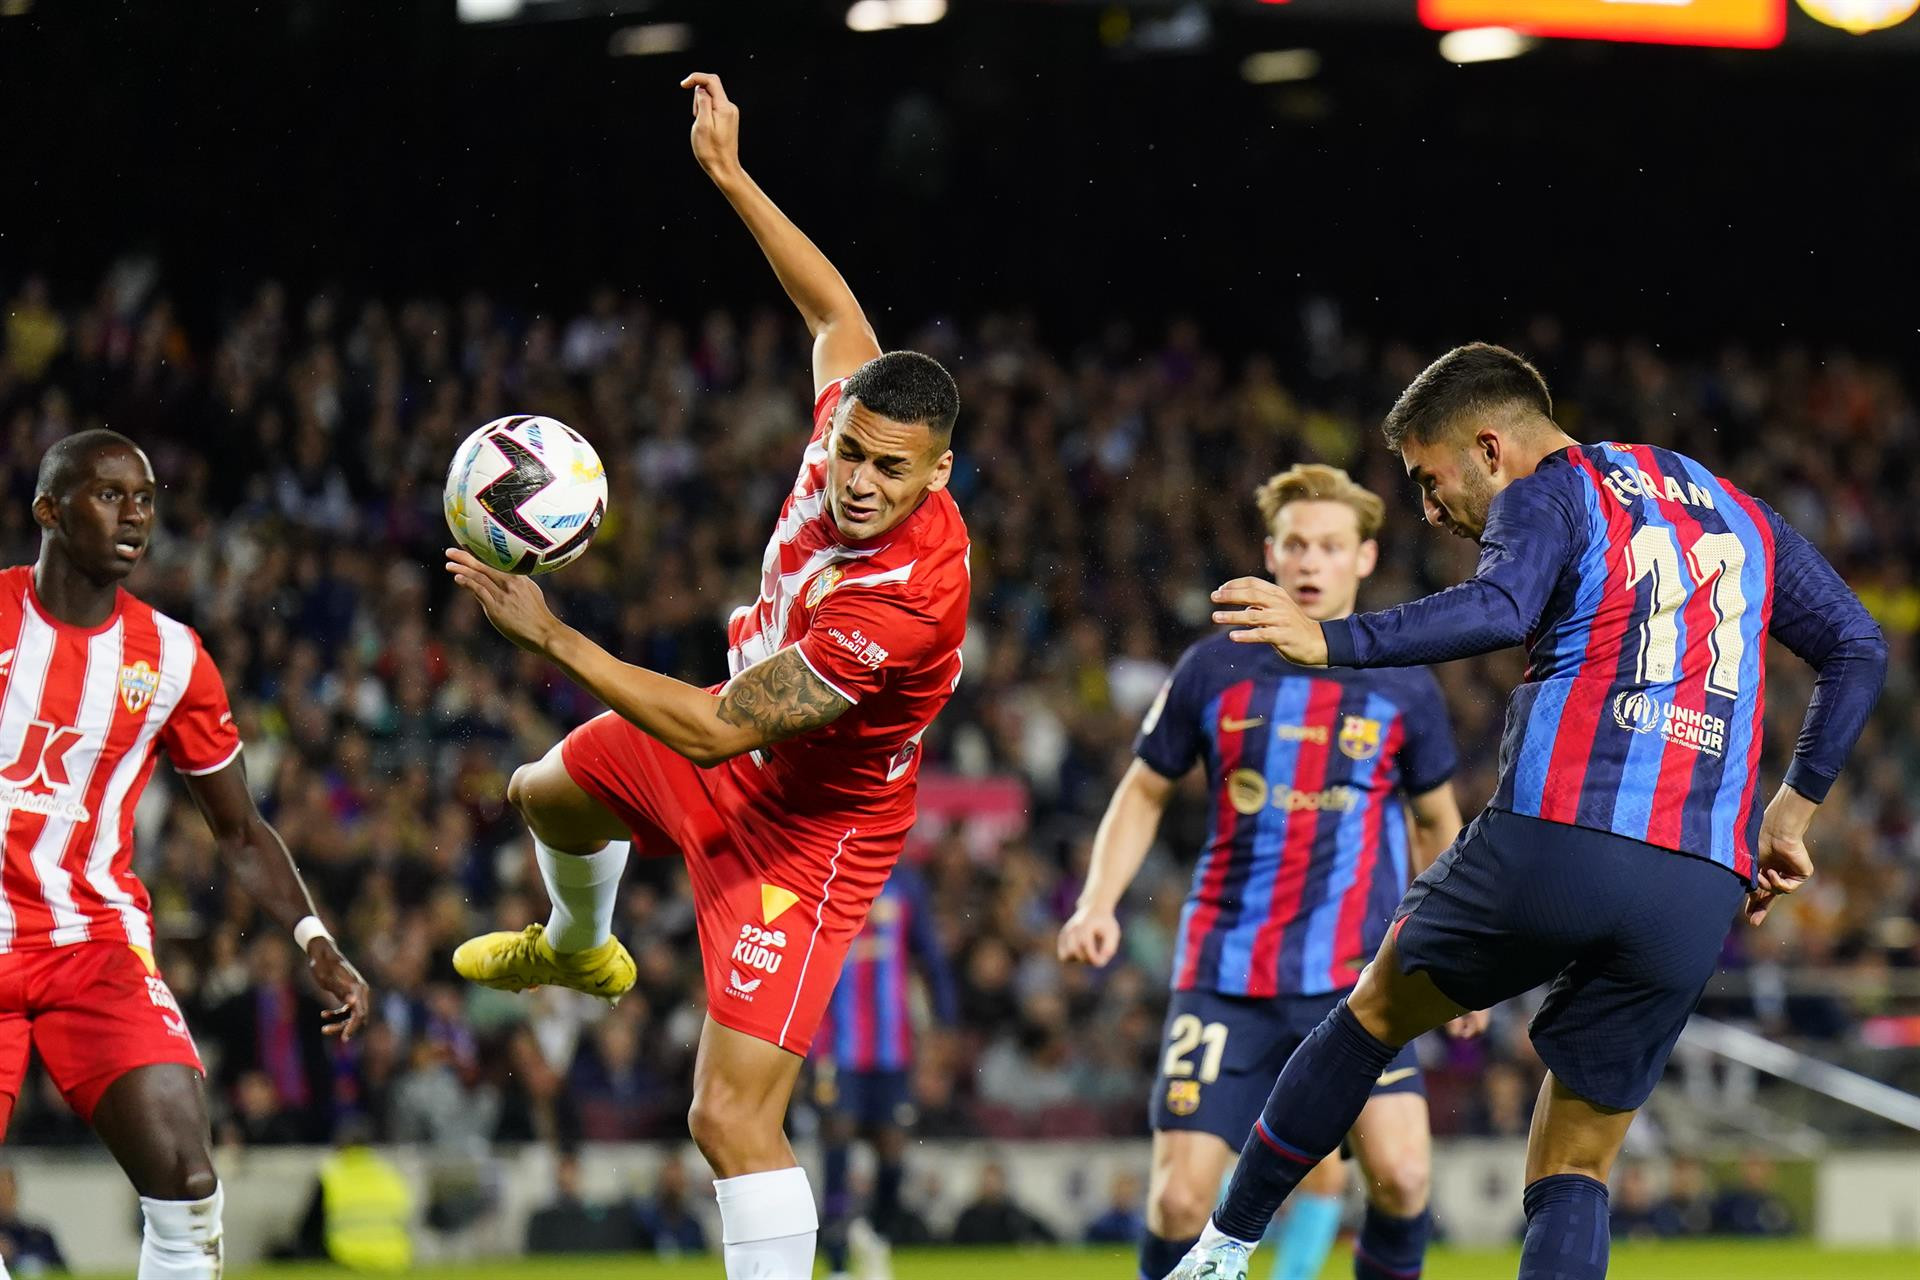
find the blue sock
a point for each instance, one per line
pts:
(1567, 1234)
(1158, 1257)
(886, 1196)
(1314, 1102)
(1305, 1236)
(836, 1205)
(1391, 1248)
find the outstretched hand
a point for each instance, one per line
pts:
(716, 125)
(1266, 614)
(513, 604)
(341, 983)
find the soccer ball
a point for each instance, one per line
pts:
(525, 494)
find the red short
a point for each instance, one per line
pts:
(778, 897)
(94, 1011)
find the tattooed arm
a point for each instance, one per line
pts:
(779, 698)
(767, 703)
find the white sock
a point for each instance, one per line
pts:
(1211, 1235)
(182, 1239)
(767, 1225)
(583, 888)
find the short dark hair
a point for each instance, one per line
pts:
(908, 387)
(1471, 379)
(65, 463)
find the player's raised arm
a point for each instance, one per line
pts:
(842, 338)
(1092, 934)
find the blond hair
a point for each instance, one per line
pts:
(1318, 482)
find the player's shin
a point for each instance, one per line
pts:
(181, 1239)
(1314, 1102)
(1568, 1235)
(768, 1225)
(1391, 1248)
(583, 888)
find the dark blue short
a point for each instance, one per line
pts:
(1220, 1055)
(1626, 933)
(871, 1099)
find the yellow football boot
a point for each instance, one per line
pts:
(525, 960)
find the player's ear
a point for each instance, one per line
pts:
(46, 511)
(1490, 447)
(1369, 557)
(942, 472)
(1272, 559)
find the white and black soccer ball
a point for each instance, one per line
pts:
(525, 494)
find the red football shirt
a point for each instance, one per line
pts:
(880, 619)
(82, 710)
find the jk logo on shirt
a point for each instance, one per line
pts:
(43, 756)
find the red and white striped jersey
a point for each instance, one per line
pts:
(880, 619)
(81, 712)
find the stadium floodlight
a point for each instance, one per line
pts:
(1280, 66)
(918, 13)
(1483, 44)
(871, 15)
(489, 10)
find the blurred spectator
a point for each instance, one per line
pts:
(272, 1054)
(301, 443)
(1752, 1206)
(1688, 1206)
(1122, 1222)
(664, 1221)
(994, 1217)
(570, 1223)
(26, 1248)
(1638, 1214)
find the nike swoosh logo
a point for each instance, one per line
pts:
(1241, 726)
(1394, 1077)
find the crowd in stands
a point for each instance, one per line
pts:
(302, 441)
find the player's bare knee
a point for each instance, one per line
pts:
(1178, 1208)
(1402, 1184)
(197, 1180)
(729, 1134)
(520, 793)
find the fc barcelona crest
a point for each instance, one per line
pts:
(829, 579)
(1359, 738)
(138, 683)
(1183, 1097)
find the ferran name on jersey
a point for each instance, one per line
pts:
(138, 683)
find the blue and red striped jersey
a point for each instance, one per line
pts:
(1644, 588)
(869, 1023)
(1306, 847)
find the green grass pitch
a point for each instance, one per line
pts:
(1718, 1260)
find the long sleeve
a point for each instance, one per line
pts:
(1530, 536)
(923, 935)
(1819, 618)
